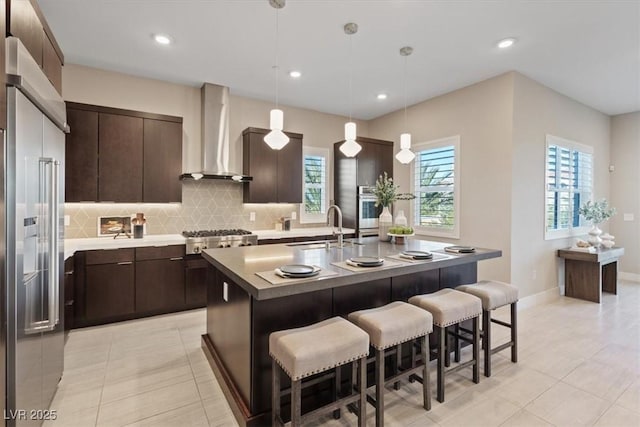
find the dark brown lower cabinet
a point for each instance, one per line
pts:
(68, 293)
(196, 281)
(110, 291)
(160, 285)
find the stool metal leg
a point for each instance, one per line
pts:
(396, 385)
(476, 350)
(442, 335)
(275, 394)
(379, 388)
(514, 332)
(456, 343)
(447, 350)
(362, 387)
(486, 341)
(296, 403)
(426, 380)
(336, 396)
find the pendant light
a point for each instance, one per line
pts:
(276, 139)
(405, 155)
(350, 147)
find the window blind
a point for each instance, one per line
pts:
(314, 184)
(434, 184)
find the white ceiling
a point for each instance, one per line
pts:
(587, 50)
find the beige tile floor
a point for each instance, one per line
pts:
(579, 365)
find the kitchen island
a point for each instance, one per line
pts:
(243, 308)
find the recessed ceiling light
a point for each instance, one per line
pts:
(505, 43)
(162, 39)
(382, 96)
(295, 74)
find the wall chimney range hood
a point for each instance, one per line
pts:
(215, 136)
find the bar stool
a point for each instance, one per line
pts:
(450, 307)
(494, 295)
(390, 326)
(313, 349)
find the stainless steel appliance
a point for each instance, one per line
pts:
(34, 204)
(368, 212)
(204, 239)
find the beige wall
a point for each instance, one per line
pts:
(538, 111)
(481, 115)
(107, 88)
(625, 188)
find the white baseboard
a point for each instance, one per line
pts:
(629, 276)
(539, 298)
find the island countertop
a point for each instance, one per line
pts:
(241, 264)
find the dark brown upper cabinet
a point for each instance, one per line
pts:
(81, 165)
(277, 174)
(120, 158)
(26, 22)
(116, 155)
(162, 153)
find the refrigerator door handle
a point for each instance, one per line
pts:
(53, 306)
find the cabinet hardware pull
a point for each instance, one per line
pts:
(176, 258)
(125, 263)
(69, 273)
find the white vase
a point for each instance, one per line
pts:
(385, 221)
(594, 236)
(401, 219)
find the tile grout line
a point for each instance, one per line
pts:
(104, 378)
(193, 375)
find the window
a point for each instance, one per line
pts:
(436, 179)
(315, 193)
(569, 184)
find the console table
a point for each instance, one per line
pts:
(587, 275)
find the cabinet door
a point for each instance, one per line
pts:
(81, 162)
(120, 160)
(26, 26)
(51, 63)
(290, 172)
(261, 162)
(162, 161)
(384, 160)
(367, 172)
(196, 282)
(109, 290)
(69, 301)
(160, 285)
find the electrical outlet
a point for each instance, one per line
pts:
(252, 216)
(294, 215)
(628, 217)
(67, 220)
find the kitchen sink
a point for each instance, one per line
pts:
(322, 244)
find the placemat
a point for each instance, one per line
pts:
(434, 258)
(271, 277)
(387, 264)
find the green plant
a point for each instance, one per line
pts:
(386, 192)
(597, 212)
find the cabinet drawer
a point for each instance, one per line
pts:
(159, 252)
(109, 256)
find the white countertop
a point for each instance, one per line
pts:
(71, 246)
(299, 232)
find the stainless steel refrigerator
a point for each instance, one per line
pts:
(34, 205)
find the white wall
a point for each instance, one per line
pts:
(481, 115)
(538, 111)
(625, 189)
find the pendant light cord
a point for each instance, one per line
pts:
(276, 59)
(405, 92)
(350, 76)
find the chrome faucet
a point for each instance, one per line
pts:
(339, 213)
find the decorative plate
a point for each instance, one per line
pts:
(418, 254)
(297, 269)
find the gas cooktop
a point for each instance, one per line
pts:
(212, 233)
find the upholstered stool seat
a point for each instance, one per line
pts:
(313, 349)
(389, 326)
(450, 307)
(494, 294)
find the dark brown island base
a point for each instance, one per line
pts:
(243, 308)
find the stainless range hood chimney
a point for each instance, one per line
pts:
(215, 136)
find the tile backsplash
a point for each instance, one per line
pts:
(206, 204)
